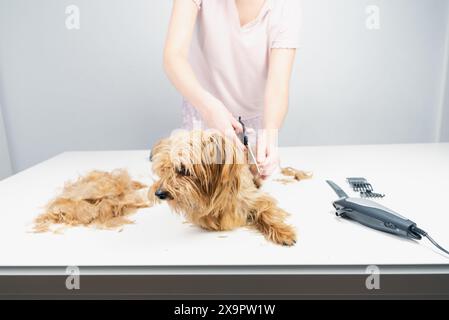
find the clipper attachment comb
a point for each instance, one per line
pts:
(362, 185)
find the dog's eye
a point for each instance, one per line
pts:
(182, 171)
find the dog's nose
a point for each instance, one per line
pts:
(161, 194)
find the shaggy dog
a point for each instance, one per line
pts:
(204, 176)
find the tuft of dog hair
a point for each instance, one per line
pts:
(100, 199)
(296, 174)
(206, 177)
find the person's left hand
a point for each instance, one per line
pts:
(267, 152)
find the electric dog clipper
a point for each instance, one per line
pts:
(376, 216)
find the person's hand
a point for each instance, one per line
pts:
(216, 116)
(267, 152)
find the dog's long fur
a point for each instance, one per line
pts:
(208, 179)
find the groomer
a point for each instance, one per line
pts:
(231, 58)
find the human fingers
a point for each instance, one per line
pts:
(236, 125)
(232, 136)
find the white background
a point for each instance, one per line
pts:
(5, 163)
(103, 87)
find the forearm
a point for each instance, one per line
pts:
(276, 106)
(277, 88)
(176, 64)
(181, 74)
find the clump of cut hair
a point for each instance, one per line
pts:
(296, 174)
(99, 199)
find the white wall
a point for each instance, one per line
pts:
(103, 87)
(444, 133)
(353, 85)
(444, 127)
(5, 163)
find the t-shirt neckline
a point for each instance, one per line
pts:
(266, 7)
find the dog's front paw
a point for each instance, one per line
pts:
(284, 235)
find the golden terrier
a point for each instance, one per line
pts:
(206, 177)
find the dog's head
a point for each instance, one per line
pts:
(199, 171)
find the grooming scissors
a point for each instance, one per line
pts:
(248, 146)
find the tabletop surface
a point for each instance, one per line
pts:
(414, 177)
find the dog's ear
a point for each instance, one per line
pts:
(219, 164)
(159, 149)
(159, 146)
(233, 160)
(229, 158)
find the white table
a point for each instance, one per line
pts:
(414, 177)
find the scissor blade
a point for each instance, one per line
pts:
(253, 158)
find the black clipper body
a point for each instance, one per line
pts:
(373, 215)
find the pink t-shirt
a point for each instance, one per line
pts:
(231, 61)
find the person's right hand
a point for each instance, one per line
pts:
(216, 116)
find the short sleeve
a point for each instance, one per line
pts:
(286, 25)
(198, 3)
